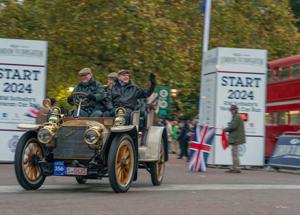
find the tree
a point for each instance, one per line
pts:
(159, 36)
(295, 5)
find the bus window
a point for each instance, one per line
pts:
(295, 70)
(294, 117)
(270, 75)
(268, 119)
(284, 73)
(275, 118)
(275, 75)
(281, 118)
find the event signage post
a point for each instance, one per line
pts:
(164, 100)
(22, 88)
(235, 76)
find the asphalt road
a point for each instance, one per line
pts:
(213, 192)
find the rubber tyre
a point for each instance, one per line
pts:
(29, 175)
(80, 180)
(121, 163)
(157, 168)
(277, 169)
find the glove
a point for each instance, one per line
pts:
(152, 79)
(91, 97)
(70, 100)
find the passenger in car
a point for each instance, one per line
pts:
(95, 95)
(126, 94)
(112, 78)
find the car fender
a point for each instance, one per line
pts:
(156, 136)
(128, 129)
(123, 128)
(29, 126)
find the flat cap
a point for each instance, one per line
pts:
(123, 71)
(85, 71)
(112, 75)
(233, 107)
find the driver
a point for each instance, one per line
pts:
(95, 94)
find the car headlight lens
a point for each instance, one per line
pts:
(92, 136)
(45, 135)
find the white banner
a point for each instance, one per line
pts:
(22, 87)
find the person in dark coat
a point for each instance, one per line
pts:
(95, 94)
(184, 140)
(126, 94)
(236, 137)
(112, 78)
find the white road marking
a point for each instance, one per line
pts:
(174, 187)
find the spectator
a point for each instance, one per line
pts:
(184, 140)
(174, 144)
(236, 137)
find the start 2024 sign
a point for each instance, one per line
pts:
(235, 76)
(22, 88)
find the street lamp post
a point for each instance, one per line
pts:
(173, 92)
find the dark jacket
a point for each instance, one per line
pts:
(92, 87)
(127, 95)
(184, 134)
(236, 130)
(107, 100)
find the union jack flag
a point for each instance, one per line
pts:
(200, 148)
(33, 111)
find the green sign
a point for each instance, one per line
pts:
(164, 100)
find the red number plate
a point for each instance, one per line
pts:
(76, 171)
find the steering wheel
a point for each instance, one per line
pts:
(80, 97)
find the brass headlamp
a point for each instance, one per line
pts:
(47, 133)
(55, 116)
(93, 135)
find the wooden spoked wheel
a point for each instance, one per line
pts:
(160, 167)
(32, 153)
(121, 163)
(28, 154)
(124, 163)
(157, 168)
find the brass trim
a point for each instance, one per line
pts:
(120, 117)
(51, 129)
(98, 132)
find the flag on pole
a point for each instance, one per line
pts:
(224, 140)
(203, 6)
(200, 148)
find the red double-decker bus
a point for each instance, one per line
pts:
(283, 99)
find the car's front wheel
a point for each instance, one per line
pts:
(80, 180)
(157, 168)
(28, 152)
(121, 163)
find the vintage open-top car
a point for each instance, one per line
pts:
(92, 148)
